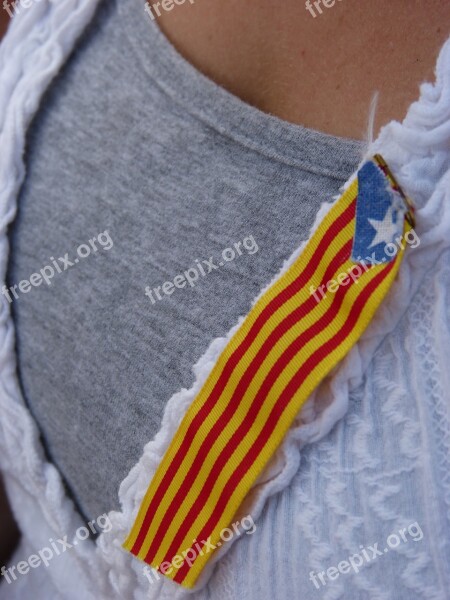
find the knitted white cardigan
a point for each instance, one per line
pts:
(418, 150)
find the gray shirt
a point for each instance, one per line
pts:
(142, 178)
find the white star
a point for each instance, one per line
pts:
(385, 228)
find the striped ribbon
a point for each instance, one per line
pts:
(287, 344)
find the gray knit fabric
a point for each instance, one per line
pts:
(133, 147)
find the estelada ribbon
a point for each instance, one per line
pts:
(294, 335)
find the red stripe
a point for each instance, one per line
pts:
(260, 397)
(281, 405)
(340, 223)
(232, 405)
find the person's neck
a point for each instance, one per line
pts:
(318, 71)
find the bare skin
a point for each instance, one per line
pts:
(4, 21)
(320, 72)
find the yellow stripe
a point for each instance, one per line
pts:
(278, 386)
(240, 414)
(308, 385)
(243, 448)
(234, 380)
(286, 279)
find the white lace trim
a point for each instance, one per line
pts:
(417, 150)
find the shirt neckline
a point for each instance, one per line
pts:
(248, 126)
